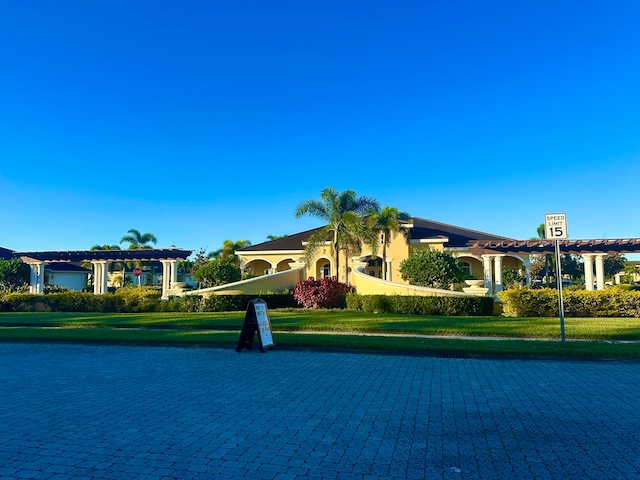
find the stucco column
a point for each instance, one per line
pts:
(588, 271)
(96, 277)
(600, 271)
(174, 273)
(498, 272)
(104, 278)
(33, 277)
(274, 267)
(388, 272)
(527, 272)
(488, 280)
(36, 277)
(40, 287)
(166, 272)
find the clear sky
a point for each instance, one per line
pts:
(201, 121)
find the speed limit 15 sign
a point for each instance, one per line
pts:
(555, 226)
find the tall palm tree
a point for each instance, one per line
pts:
(384, 225)
(275, 237)
(547, 258)
(343, 214)
(227, 254)
(137, 240)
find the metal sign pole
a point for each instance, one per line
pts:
(559, 282)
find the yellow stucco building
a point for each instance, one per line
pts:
(281, 263)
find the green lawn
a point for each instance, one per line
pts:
(321, 327)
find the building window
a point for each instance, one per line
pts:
(466, 266)
(325, 271)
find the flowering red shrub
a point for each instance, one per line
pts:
(324, 293)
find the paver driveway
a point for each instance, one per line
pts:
(83, 411)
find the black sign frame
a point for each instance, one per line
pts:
(256, 320)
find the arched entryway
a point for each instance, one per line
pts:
(323, 268)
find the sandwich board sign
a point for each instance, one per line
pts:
(256, 320)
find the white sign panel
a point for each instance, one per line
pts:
(264, 327)
(555, 226)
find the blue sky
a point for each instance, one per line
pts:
(206, 120)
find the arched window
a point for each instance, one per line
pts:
(466, 266)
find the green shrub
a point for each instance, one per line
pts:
(610, 302)
(419, 305)
(229, 303)
(134, 300)
(138, 299)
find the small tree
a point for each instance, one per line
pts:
(14, 274)
(511, 277)
(431, 268)
(215, 273)
(324, 293)
(614, 263)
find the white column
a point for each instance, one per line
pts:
(388, 272)
(498, 272)
(600, 271)
(96, 277)
(104, 279)
(527, 272)
(33, 278)
(588, 270)
(166, 267)
(488, 280)
(274, 267)
(40, 286)
(174, 273)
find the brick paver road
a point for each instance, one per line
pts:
(83, 411)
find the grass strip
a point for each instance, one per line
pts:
(407, 345)
(345, 321)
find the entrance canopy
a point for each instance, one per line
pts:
(535, 247)
(100, 260)
(81, 256)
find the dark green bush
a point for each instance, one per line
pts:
(228, 303)
(134, 299)
(611, 302)
(419, 305)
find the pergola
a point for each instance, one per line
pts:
(591, 251)
(100, 259)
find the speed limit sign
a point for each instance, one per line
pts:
(555, 226)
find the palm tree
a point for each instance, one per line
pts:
(384, 225)
(275, 237)
(343, 214)
(547, 258)
(227, 254)
(137, 240)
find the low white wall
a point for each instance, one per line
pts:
(368, 285)
(274, 282)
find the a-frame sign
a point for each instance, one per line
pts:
(256, 320)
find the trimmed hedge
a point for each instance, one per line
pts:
(124, 300)
(134, 300)
(611, 302)
(228, 303)
(419, 305)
